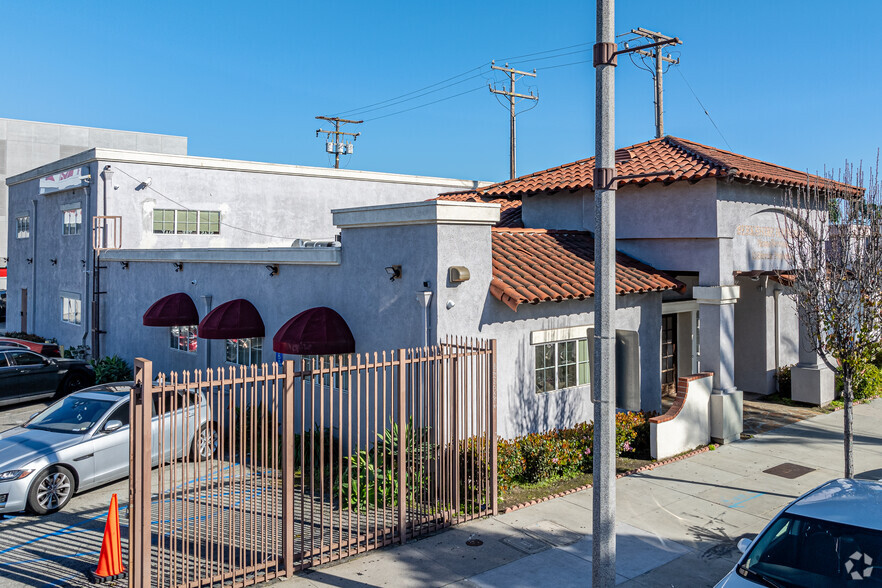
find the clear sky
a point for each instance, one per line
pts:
(795, 82)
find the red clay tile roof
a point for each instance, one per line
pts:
(509, 213)
(540, 265)
(688, 160)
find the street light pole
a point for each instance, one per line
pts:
(604, 384)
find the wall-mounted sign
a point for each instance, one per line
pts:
(72, 178)
(759, 244)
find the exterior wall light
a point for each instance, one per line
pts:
(179, 266)
(54, 261)
(124, 264)
(394, 272)
(458, 273)
(30, 260)
(273, 269)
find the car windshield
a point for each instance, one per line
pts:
(804, 552)
(74, 414)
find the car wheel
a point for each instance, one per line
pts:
(51, 491)
(205, 443)
(75, 380)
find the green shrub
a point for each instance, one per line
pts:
(537, 457)
(76, 352)
(29, 337)
(783, 377)
(868, 383)
(111, 369)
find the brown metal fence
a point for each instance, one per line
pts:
(255, 473)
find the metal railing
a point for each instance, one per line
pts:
(256, 473)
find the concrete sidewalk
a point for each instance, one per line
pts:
(677, 524)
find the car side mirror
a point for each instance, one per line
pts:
(744, 544)
(112, 426)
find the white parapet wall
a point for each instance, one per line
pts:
(686, 425)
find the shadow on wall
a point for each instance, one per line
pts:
(526, 411)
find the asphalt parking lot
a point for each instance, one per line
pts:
(55, 550)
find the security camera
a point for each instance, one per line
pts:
(193, 282)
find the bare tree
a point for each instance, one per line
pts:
(834, 245)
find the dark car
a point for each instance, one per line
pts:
(25, 375)
(45, 349)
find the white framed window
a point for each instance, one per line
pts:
(340, 379)
(183, 338)
(209, 222)
(163, 220)
(245, 351)
(561, 364)
(187, 222)
(72, 221)
(71, 308)
(22, 227)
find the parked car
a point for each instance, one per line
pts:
(82, 441)
(830, 536)
(25, 375)
(44, 349)
(3, 306)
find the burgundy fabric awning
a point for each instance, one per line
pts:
(236, 319)
(317, 331)
(175, 310)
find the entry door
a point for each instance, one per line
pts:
(669, 354)
(24, 310)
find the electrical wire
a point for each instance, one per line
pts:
(546, 51)
(704, 109)
(364, 110)
(426, 104)
(187, 208)
(354, 110)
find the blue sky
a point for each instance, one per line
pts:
(792, 82)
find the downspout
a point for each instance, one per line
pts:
(424, 297)
(87, 260)
(32, 308)
(776, 294)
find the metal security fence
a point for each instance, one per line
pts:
(255, 473)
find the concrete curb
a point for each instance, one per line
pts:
(647, 467)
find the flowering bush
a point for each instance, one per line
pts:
(566, 452)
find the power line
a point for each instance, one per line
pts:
(353, 110)
(424, 105)
(338, 146)
(704, 109)
(185, 207)
(511, 94)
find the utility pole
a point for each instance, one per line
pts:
(656, 54)
(603, 574)
(338, 147)
(511, 94)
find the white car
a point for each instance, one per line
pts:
(828, 537)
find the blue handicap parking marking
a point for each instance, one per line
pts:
(739, 500)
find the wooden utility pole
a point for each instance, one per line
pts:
(656, 54)
(511, 94)
(338, 147)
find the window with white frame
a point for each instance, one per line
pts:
(22, 227)
(209, 222)
(71, 308)
(72, 221)
(163, 221)
(562, 364)
(245, 351)
(186, 222)
(337, 365)
(183, 338)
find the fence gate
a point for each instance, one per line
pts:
(243, 475)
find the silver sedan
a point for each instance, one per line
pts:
(82, 441)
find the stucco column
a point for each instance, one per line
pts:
(716, 308)
(811, 381)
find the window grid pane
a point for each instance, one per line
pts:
(71, 310)
(23, 227)
(561, 365)
(163, 221)
(187, 222)
(209, 222)
(72, 221)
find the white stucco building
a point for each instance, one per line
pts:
(698, 271)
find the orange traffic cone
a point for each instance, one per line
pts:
(110, 565)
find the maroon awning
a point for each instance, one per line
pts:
(174, 310)
(236, 319)
(317, 331)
